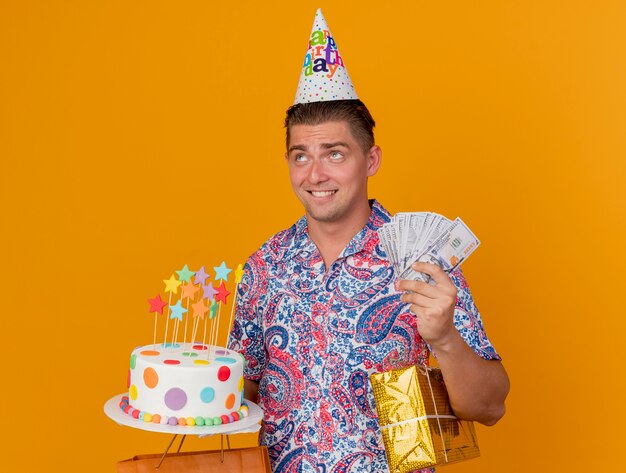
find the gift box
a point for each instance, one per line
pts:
(418, 425)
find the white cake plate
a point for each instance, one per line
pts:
(246, 425)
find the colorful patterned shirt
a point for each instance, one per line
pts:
(312, 335)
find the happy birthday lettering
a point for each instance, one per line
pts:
(322, 55)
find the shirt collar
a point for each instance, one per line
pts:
(365, 239)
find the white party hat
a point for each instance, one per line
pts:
(324, 75)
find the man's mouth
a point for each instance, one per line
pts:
(322, 193)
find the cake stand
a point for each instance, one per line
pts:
(249, 424)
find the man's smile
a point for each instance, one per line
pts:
(322, 193)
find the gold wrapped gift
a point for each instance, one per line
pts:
(418, 425)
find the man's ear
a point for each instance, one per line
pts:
(374, 157)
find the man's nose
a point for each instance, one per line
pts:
(317, 171)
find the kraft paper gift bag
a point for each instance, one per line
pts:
(248, 460)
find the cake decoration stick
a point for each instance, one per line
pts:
(215, 328)
(238, 277)
(221, 296)
(184, 275)
(188, 291)
(156, 306)
(221, 272)
(195, 334)
(171, 285)
(174, 316)
(195, 321)
(186, 321)
(212, 314)
(209, 294)
(176, 325)
(196, 324)
(199, 278)
(199, 309)
(177, 312)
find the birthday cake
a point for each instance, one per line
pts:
(188, 383)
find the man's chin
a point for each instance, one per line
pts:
(323, 216)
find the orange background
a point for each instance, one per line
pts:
(139, 136)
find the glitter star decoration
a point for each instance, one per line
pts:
(213, 309)
(209, 292)
(222, 293)
(238, 274)
(171, 284)
(199, 309)
(200, 276)
(185, 274)
(157, 304)
(221, 272)
(189, 290)
(177, 311)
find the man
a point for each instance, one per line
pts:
(319, 309)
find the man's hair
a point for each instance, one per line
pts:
(354, 112)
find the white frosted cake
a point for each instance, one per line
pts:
(185, 384)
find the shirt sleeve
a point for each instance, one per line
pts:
(467, 319)
(247, 335)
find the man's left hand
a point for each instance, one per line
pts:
(433, 306)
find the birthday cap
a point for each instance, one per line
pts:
(324, 75)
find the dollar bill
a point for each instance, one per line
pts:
(452, 247)
(448, 250)
(425, 236)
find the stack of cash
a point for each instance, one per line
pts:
(425, 236)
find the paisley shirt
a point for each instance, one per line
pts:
(312, 336)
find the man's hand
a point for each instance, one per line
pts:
(251, 388)
(477, 387)
(433, 306)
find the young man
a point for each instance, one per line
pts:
(319, 309)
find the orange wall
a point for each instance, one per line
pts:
(139, 136)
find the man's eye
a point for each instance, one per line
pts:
(336, 155)
(299, 158)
